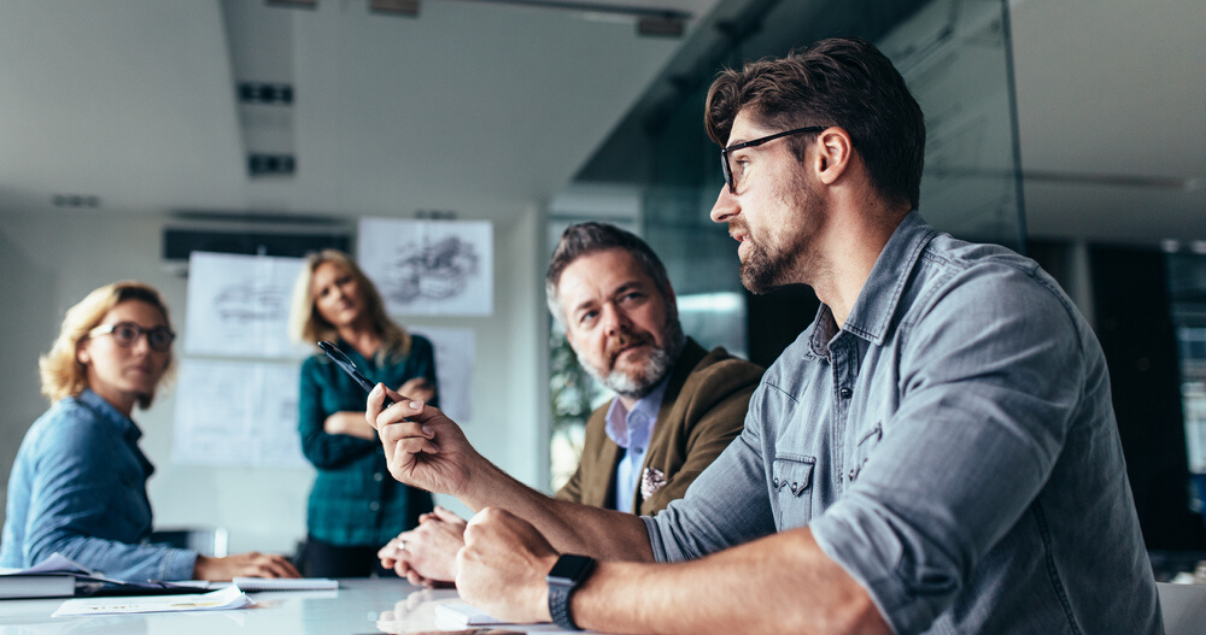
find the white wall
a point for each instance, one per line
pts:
(50, 261)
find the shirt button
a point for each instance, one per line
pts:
(845, 392)
(776, 481)
(374, 505)
(377, 477)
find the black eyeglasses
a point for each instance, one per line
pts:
(724, 152)
(159, 338)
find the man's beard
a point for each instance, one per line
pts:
(659, 364)
(763, 270)
(768, 266)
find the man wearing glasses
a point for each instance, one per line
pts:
(937, 452)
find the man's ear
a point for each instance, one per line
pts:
(834, 152)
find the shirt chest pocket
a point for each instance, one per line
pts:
(791, 490)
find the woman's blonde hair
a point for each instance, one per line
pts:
(62, 373)
(307, 325)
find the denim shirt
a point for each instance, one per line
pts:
(78, 487)
(953, 447)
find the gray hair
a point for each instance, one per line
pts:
(584, 239)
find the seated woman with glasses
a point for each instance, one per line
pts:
(78, 486)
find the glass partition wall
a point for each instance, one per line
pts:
(955, 56)
(1187, 292)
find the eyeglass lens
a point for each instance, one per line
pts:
(159, 338)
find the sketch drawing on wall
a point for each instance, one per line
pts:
(238, 306)
(237, 413)
(429, 267)
(246, 302)
(433, 271)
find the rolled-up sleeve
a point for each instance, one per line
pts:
(989, 381)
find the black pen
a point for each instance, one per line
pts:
(348, 367)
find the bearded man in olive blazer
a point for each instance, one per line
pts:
(700, 413)
(677, 406)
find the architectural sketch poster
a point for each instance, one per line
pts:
(429, 267)
(237, 413)
(454, 369)
(238, 306)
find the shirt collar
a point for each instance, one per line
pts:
(628, 427)
(877, 302)
(103, 409)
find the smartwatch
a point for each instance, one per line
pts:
(567, 575)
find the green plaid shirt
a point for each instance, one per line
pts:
(355, 502)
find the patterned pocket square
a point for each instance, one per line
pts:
(651, 481)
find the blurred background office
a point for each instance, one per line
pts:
(134, 133)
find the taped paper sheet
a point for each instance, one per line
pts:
(429, 267)
(237, 413)
(238, 306)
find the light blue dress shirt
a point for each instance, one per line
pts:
(631, 430)
(953, 447)
(79, 488)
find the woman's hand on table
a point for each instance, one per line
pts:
(248, 565)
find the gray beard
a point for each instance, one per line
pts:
(642, 382)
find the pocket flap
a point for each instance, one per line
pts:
(792, 474)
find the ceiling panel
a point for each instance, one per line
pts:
(1112, 88)
(478, 108)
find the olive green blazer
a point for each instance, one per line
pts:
(702, 411)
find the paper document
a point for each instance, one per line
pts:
(459, 615)
(285, 584)
(229, 598)
(56, 563)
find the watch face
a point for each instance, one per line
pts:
(570, 568)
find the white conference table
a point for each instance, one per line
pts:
(360, 606)
(363, 606)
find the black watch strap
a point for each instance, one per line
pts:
(559, 606)
(567, 575)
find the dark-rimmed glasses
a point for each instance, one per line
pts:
(724, 152)
(126, 334)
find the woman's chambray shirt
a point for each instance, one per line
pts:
(355, 502)
(953, 447)
(79, 488)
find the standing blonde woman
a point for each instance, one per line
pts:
(355, 506)
(78, 486)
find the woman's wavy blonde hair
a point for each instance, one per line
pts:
(307, 325)
(62, 373)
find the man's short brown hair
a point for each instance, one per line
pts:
(843, 82)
